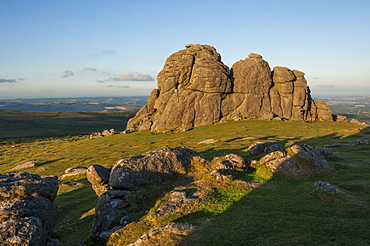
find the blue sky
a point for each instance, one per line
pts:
(116, 48)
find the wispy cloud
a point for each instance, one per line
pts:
(326, 86)
(109, 53)
(89, 69)
(118, 86)
(134, 77)
(8, 80)
(11, 80)
(67, 73)
(129, 77)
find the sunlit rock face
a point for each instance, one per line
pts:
(195, 88)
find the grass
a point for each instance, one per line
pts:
(292, 212)
(16, 126)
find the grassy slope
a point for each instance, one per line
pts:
(291, 214)
(16, 124)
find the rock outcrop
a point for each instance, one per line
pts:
(302, 154)
(195, 88)
(125, 178)
(27, 208)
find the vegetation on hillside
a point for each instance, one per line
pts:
(289, 212)
(16, 126)
(78, 104)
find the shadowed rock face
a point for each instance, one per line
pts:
(27, 208)
(195, 88)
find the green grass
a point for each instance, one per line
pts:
(18, 126)
(290, 213)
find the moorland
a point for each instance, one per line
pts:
(292, 212)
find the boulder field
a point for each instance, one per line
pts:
(195, 88)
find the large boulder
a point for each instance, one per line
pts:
(27, 208)
(130, 172)
(195, 88)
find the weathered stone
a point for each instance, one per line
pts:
(74, 171)
(130, 172)
(355, 121)
(21, 231)
(20, 184)
(261, 147)
(39, 207)
(104, 236)
(231, 161)
(108, 211)
(27, 208)
(340, 118)
(175, 202)
(324, 112)
(326, 186)
(218, 175)
(315, 154)
(208, 141)
(195, 88)
(27, 164)
(98, 176)
(279, 161)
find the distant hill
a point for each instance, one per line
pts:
(79, 104)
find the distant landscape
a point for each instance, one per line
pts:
(353, 107)
(28, 119)
(78, 104)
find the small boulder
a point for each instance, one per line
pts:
(262, 147)
(231, 161)
(218, 175)
(326, 186)
(355, 121)
(340, 118)
(27, 164)
(74, 171)
(208, 141)
(176, 200)
(98, 176)
(279, 161)
(315, 154)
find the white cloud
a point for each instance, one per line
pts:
(134, 77)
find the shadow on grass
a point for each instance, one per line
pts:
(75, 212)
(291, 214)
(48, 162)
